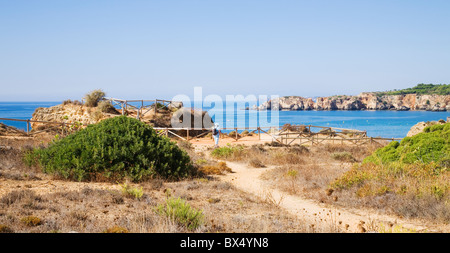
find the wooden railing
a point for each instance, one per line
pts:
(63, 125)
(141, 106)
(277, 134)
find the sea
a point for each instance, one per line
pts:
(387, 124)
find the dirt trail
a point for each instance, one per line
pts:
(323, 216)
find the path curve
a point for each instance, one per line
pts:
(322, 217)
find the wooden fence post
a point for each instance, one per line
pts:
(28, 126)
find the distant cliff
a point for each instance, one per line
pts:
(363, 101)
(424, 97)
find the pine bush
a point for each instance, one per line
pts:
(115, 148)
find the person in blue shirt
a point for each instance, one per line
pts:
(216, 134)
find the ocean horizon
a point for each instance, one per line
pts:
(387, 124)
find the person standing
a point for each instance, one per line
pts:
(216, 134)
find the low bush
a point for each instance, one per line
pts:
(216, 169)
(132, 192)
(116, 230)
(343, 156)
(226, 151)
(182, 213)
(31, 221)
(432, 145)
(93, 98)
(116, 148)
(415, 168)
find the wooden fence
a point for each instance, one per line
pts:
(142, 106)
(301, 134)
(64, 127)
(168, 131)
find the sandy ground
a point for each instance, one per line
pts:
(341, 219)
(249, 180)
(50, 185)
(224, 140)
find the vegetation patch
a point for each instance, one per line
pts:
(343, 156)
(432, 145)
(93, 98)
(31, 221)
(226, 151)
(116, 230)
(219, 168)
(132, 192)
(5, 229)
(421, 89)
(115, 148)
(416, 168)
(182, 213)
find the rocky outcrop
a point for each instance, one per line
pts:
(81, 115)
(363, 101)
(418, 128)
(6, 130)
(67, 113)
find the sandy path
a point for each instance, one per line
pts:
(323, 217)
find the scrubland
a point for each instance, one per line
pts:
(394, 178)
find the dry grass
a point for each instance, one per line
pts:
(32, 202)
(91, 210)
(309, 172)
(219, 168)
(301, 170)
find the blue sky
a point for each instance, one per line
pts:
(54, 50)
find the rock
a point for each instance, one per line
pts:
(68, 113)
(10, 131)
(83, 115)
(403, 108)
(418, 128)
(175, 105)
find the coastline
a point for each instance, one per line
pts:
(363, 101)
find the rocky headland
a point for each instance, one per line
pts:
(363, 101)
(76, 113)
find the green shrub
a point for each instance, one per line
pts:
(93, 98)
(127, 190)
(421, 89)
(432, 145)
(417, 166)
(182, 213)
(115, 148)
(225, 151)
